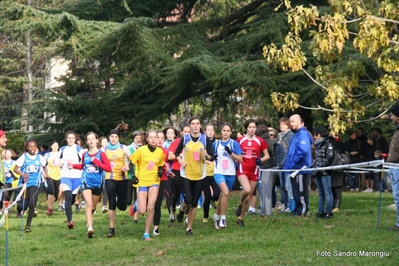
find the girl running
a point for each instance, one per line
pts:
(196, 148)
(176, 180)
(103, 144)
(70, 178)
(149, 162)
(248, 170)
(211, 189)
(116, 181)
(227, 151)
(31, 166)
(54, 171)
(94, 163)
(9, 175)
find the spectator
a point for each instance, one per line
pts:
(393, 157)
(354, 149)
(299, 156)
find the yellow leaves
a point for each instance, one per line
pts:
(289, 57)
(389, 87)
(285, 101)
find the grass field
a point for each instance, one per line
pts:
(280, 239)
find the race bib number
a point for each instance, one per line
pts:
(225, 164)
(196, 155)
(150, 166)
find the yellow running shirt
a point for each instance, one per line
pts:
(147, 164)
(192, 155)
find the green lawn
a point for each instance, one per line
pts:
(277, 240)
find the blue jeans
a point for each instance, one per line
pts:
(353, 181)
(288, 186)
(325, 193)
(395, 190)
(283, 192)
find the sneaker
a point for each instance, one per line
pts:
(321, 215)
(19, 215)
(82, 204)
(286, 210)
(238, 209)
(329, 215)
(216, 221)
(172, 217)
(386, 190)
(71, 225)
(222, 223)
(240, 222)
(249, 212)
(335, 210)
(190, 232)
(180, 216)
(155, 232)
(27, 229)
(35, 214)
(111, 233)
(352, 190)
(205, 220)
(90, 232)
(49, 212)
(356, 190)
(147, 237)
(186, 220)
(105, 209)
(214, 204)
(77, 209)
(60, 208)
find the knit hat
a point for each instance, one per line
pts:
(395, 110)
(114, 131)
(2, 133)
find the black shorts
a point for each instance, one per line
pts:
(96, 191)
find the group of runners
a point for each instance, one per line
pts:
(157, 165)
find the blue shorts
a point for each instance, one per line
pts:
(72, 184)
(145, 189)
(228, 179)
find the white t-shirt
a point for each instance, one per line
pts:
(70, 153)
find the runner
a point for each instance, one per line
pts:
(31, 166)
(70, 178)
(94, 163)
(196, 148)
(116, 181)
(54, 182)
(177, 180)
(149, 162)
(248, 171)
(227, 151)
(210, 189)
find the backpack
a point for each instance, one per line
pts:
(340, 158)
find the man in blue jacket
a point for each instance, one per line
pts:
(299, 156)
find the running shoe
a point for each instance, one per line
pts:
(19, 215)
(82, 204)
(180, 216)
(214, 204)
(238, 209)
(240, 222)
(90, 232)
(222, 223)
(111, 233)
(105, 209)
(205, 220)
(135, 221)
(71, 225)
(186, 220)
(60, 208)
(147, 237)
(35, 214)
(27, 229)
(172, 215)
(77, 209)
(49, 212)
(216, 220)
(190, 232)
(155, 232)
